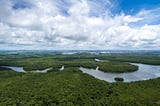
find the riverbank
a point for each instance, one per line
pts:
(72, 87)
(144, 72)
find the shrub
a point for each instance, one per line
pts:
(119, 79)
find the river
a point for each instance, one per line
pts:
(144, 72)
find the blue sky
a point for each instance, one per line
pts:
(79, 24)
(134, 6)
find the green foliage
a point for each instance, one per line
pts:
(118, 67)
(43, 63)
(71, 87)
(118, 79)
(63, 88)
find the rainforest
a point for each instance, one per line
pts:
(71, 86)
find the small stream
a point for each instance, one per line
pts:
(62, 68)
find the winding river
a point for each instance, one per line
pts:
(145, 72)
(20, 69)
(17, 69)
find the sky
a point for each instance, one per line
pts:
(79, 24)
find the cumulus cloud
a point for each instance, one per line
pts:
(75, 24)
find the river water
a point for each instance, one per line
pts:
(20, 69)
(144, 72)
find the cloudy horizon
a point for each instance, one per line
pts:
(79, 24)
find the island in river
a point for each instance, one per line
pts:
(70, 86)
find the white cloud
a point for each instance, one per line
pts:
(44, 24)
